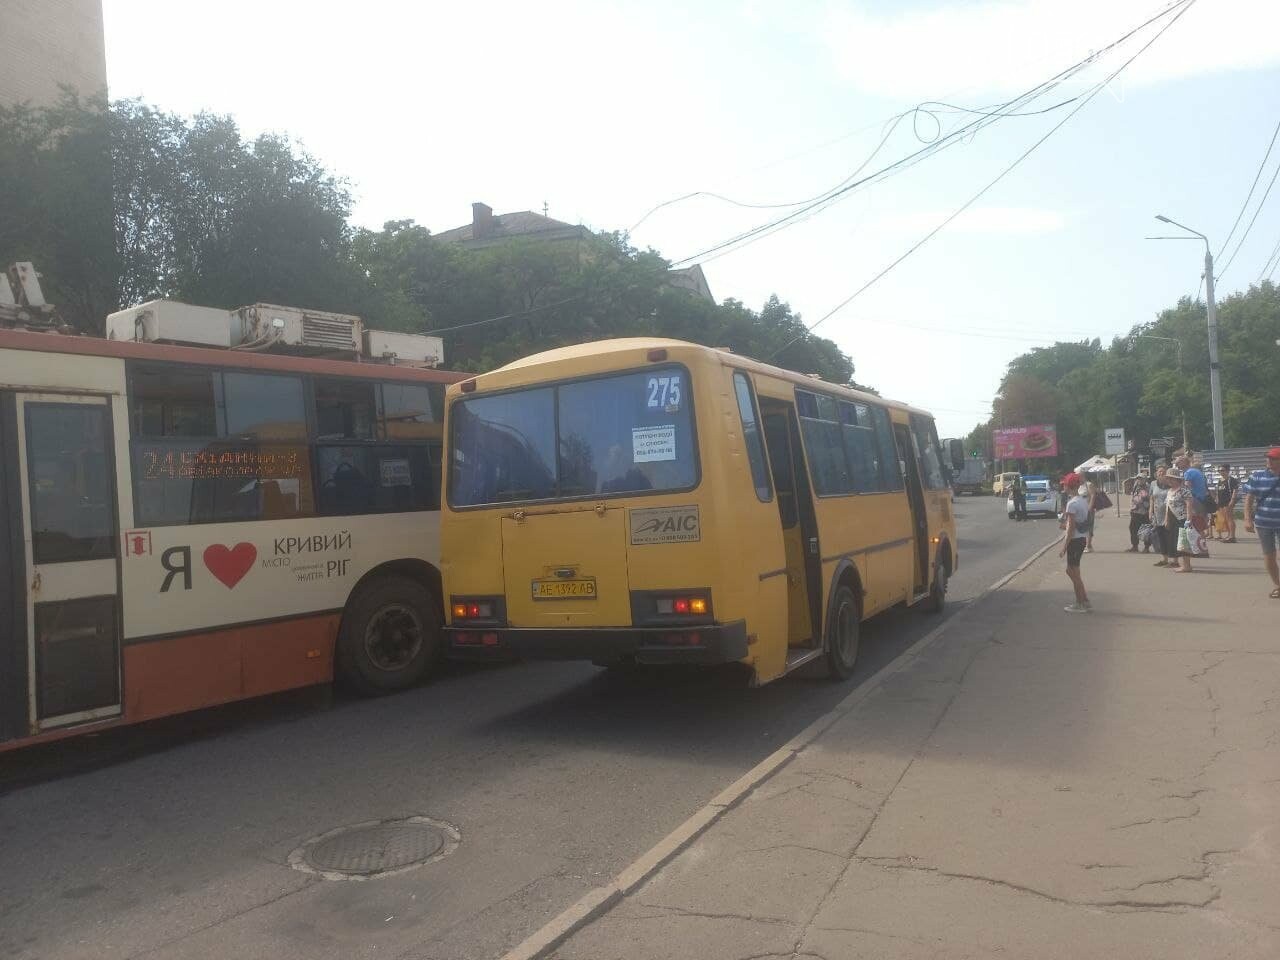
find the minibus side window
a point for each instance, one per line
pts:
(890, 470)
(751, 437)
(926, 441)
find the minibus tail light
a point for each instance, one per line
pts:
(478, 609)
(468, 386)
(665, 607)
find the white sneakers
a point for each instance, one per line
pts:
(1079, 608)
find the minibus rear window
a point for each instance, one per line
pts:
(607, 436)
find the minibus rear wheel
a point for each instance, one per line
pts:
(391, 636)
(843, 632)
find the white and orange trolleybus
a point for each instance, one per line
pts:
(186, 526)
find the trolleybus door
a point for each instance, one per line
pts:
(70, 546)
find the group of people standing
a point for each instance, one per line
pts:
(1182, 513)
(1178, 512)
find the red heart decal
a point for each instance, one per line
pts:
(230, 564)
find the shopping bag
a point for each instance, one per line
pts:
(1147, 535)
(1184, 539)
(1102, 501)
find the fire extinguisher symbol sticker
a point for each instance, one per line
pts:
(137, 543)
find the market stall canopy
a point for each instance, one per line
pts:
(1096, 464)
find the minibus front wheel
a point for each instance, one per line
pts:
(843, 630)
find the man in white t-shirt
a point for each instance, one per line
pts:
(1079, 524)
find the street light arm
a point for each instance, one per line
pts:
(1182, 226)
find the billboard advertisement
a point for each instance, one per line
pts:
(1018, 443)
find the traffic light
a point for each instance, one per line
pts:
(975, 453)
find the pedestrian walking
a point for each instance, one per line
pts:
(1197, 487)
(1228, 494)
(1181, 503)
(1079, 523)
(1166, 543)
(1139, 513)
(1262, 513)
(1019, 498)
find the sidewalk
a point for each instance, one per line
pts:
(1034, 785)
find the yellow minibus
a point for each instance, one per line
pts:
(649, 501)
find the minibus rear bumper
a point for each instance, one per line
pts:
(702, 644)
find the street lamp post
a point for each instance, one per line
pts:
(1215, 381)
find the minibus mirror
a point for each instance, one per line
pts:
(957, 453)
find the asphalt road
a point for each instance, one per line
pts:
(172, 840)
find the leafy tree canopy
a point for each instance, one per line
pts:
(1148, 380)
(121, 203)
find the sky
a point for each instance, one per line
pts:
(605, 110)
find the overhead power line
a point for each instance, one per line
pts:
(1182, 7)
(1253, 186)
(505, 316)
(1252, 220)
(890, 125)
(985, 118)
(1273, 261)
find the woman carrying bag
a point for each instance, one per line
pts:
(1139, 514)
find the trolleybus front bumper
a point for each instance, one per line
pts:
(703, 644)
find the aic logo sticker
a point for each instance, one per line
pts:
(666, 525)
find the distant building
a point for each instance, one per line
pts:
(488, 229)
(691, 279)
(48, 44)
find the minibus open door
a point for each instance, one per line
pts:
(799, 525)
(915, 496)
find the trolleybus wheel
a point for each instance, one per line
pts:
(390, 636)
(842, 634)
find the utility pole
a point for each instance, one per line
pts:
(1211, 308)
(1215, 383)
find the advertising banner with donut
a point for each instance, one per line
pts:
(1018, 443)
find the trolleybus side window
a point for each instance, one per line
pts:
(243, 457)
(69, 482)
(751, 438)
(411, 411)
(345, 409)
(263, 407)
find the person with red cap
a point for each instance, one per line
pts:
(1066, 490)
(1262, 513)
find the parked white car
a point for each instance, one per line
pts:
(1040, 499)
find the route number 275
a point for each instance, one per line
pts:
(664, 392)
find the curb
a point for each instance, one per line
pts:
(602, 898)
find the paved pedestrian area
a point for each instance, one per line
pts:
(1035, 784)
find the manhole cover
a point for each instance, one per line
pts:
(376, 848)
